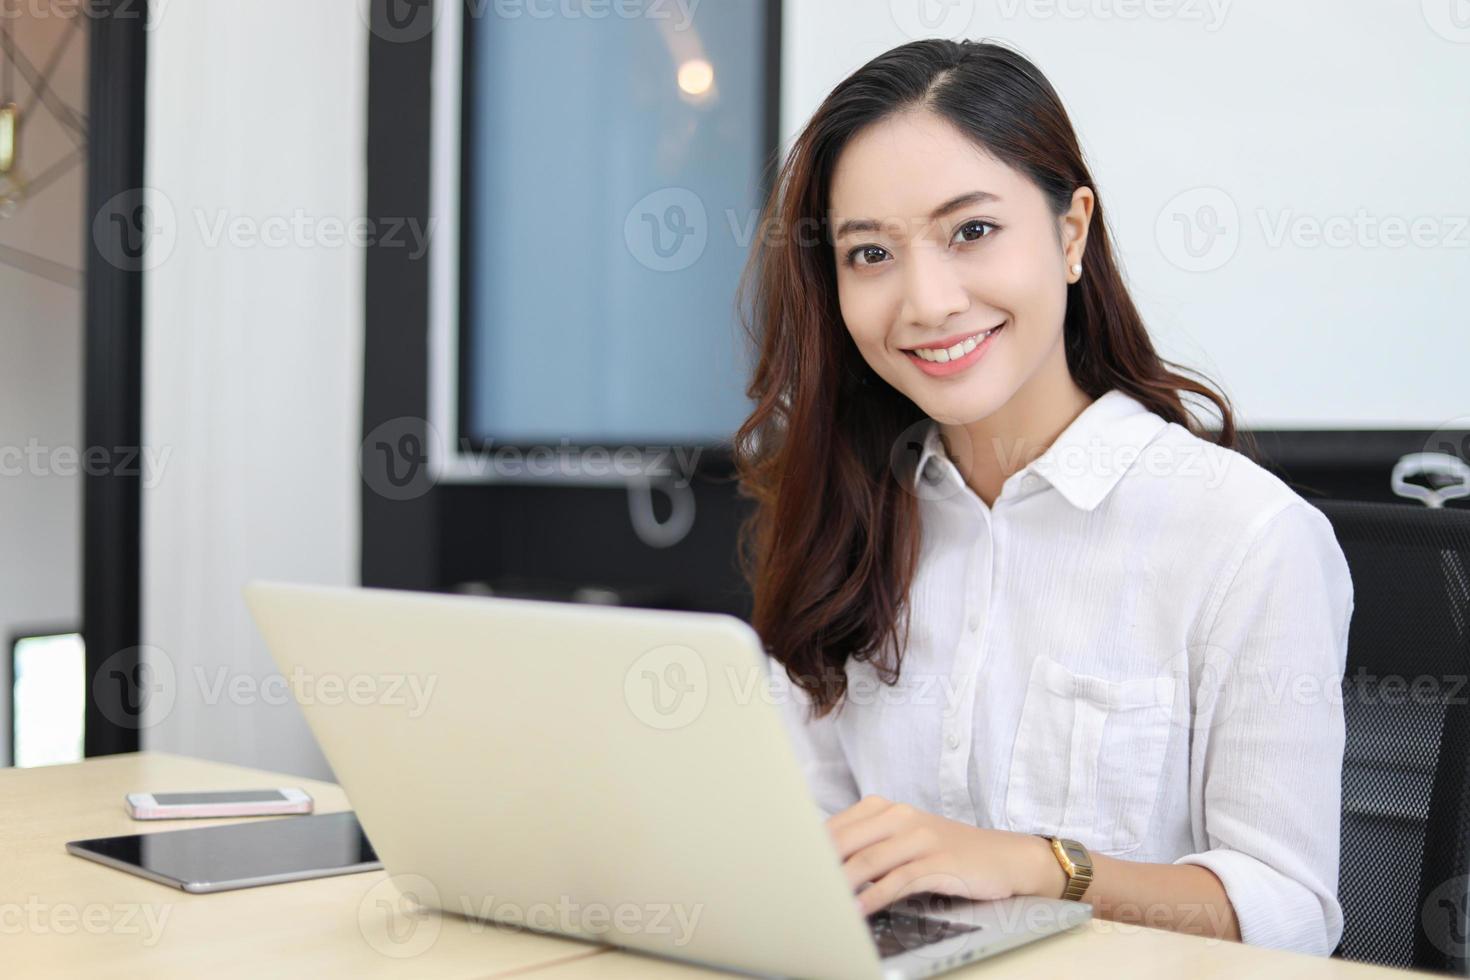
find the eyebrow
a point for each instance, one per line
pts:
(964, 200)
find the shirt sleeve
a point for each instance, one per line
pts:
(816, 743)
(1268, 744)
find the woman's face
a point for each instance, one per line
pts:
(936, 243)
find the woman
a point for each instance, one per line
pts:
(1018, 591)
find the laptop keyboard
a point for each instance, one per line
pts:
(898, 932)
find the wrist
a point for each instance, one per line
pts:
(1043, 873)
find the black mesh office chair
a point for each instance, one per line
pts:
(1406, 772)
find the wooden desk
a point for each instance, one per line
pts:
(64, 916)
(61, 915)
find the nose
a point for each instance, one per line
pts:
(933, 291)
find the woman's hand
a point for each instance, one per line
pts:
(903, 851)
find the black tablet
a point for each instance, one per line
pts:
(239, 855)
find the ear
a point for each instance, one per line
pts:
(1073, 226)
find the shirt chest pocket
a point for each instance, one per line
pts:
(1089, 756)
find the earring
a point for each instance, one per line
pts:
(1077, 269)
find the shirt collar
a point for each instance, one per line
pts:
(1090, 456)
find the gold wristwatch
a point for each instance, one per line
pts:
(1075, 861)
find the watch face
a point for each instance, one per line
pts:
(1075, 851)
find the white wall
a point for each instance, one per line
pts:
(41, 365)
(1302, 112)
(252, 352)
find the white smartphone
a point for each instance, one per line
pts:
(226, 803)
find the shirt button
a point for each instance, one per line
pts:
(953, 741)
(1029, 480)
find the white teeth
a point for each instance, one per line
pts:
(943, 355)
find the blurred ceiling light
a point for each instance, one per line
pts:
(696, 76)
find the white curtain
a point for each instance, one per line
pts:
(252, 353)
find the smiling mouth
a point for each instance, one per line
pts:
(955, 351)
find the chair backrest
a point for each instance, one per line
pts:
(1406, 771)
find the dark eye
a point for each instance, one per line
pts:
(973, 227)
(865, 251)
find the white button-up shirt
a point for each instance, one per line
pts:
(1139, 646)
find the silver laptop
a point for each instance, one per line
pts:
(610, 774)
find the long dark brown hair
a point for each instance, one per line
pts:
(831, 545)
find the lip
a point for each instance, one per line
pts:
(937, 370)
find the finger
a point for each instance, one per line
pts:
(872, 863)
(897, 884)
(856, 835)
(861, 810)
